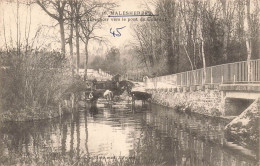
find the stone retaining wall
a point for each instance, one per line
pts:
(202, 101)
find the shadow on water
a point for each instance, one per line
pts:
(114, 136)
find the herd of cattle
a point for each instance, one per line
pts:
(114, 87)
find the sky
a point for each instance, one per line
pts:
(48, 35)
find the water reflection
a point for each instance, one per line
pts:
(158, 135)
(93, 110)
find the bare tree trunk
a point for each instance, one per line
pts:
(194, 36)
(191, 37)
(17, 26)
(86, 62)
(191, 64)
(27, 33)
(204, 62)
(202, 51)
(57, 15)
(170, 53)
(71, 38)
(4, 34)
(247, 37)
(62, 35)
(225, 38)
(77, 48)
(77, 37)
(178, 45)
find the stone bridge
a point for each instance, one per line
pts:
(226, 89)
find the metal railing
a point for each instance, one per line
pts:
(104, 74)
(230, 73)
(135, 76)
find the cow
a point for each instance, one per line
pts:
(138, 95)
(108, 95)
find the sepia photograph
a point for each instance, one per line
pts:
(129, 82)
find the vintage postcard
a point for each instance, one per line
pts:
(129, 82)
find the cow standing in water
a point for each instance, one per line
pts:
(110, 88)
(136, 95)
(108, 95)
(95, 95)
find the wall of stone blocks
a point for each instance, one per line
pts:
(204, 101)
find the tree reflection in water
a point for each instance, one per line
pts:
(93, 110)
(154, 137)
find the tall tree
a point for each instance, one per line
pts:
(77, 5)
(91, 20)
(247, 26)
(56, 10)
(225, 19)
(71, 15)
(201, 38)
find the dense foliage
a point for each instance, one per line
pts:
(112, 63)
(32, 80)
(196, 34)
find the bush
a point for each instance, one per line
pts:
(34, 80)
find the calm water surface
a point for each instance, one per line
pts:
(154, 134)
